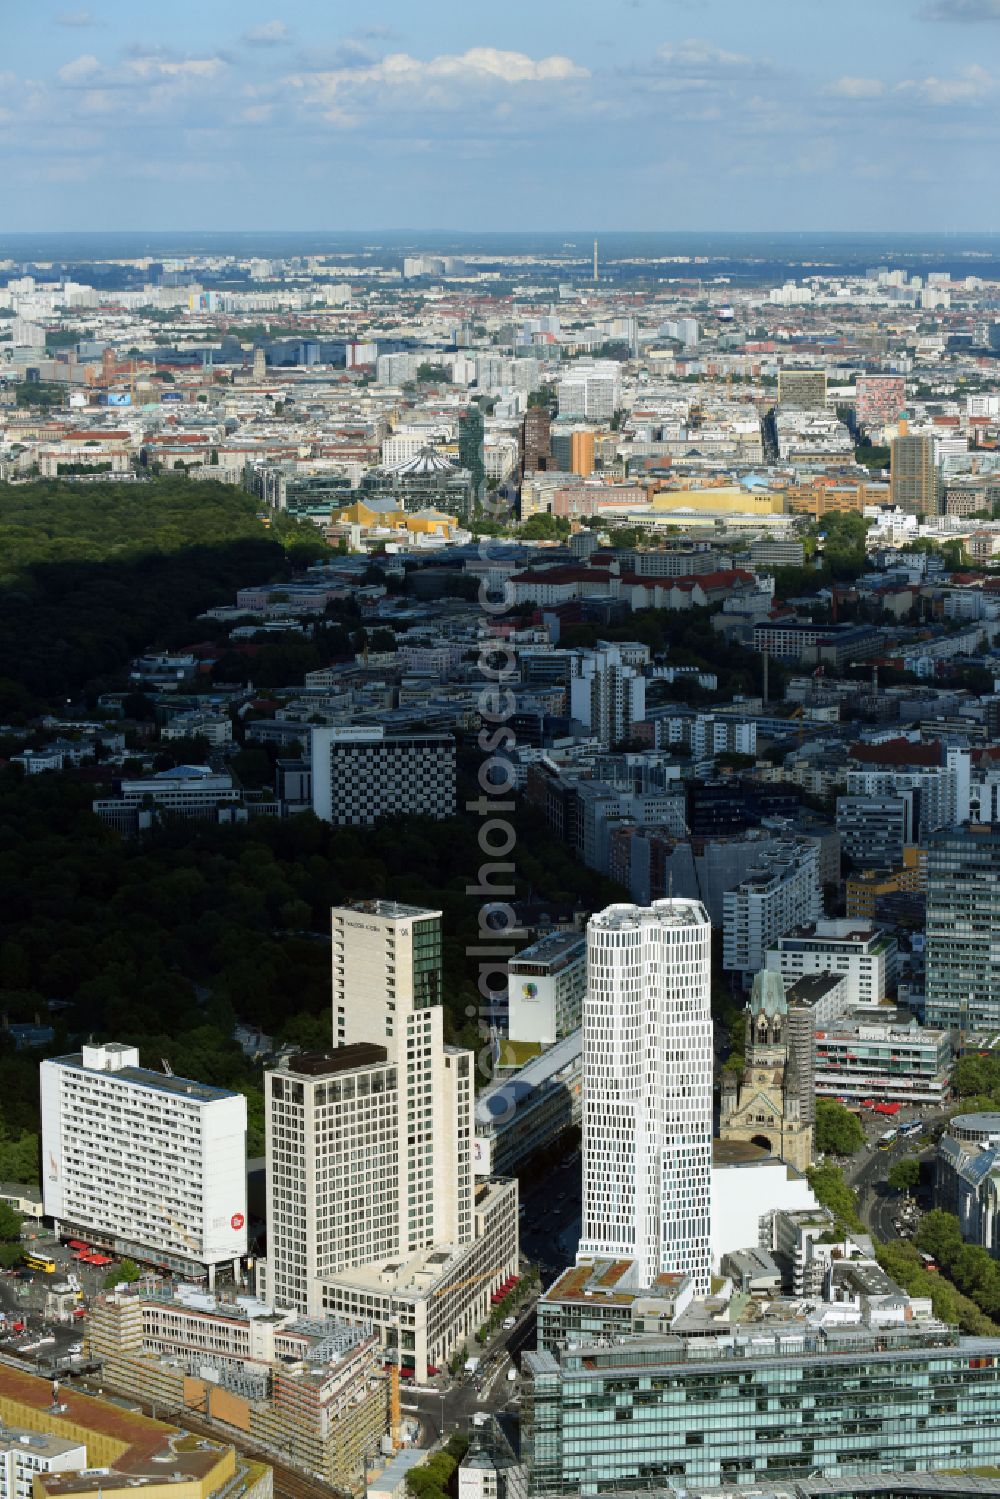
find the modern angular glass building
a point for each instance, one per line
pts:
(774, 1405)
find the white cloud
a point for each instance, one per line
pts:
(101, 101)
(155, 65)
(75, 18)
(155, 71)
(970, 86)
(270, 34)
(80, 69)
(856, 88)
(961, 10)
(698, 53)
(437, 82)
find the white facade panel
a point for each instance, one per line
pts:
(152, 1165)
(647, 1089)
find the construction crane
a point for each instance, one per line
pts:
(799, 712)
(395, 1406)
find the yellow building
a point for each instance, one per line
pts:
(863, 890)
(125, 1450)
(415, 522)
(724, 501)
(834, 497)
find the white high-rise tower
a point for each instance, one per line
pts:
(647, 1089)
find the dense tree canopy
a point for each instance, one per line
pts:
(545, 527)
(92, 574)
(827, 1182)
(838, 1131)
(167, 942)
(970, 1267)
(905, 1174)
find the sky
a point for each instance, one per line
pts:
(515, 114)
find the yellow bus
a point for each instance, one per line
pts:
(40, 1262)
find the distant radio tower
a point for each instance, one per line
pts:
(595, 262)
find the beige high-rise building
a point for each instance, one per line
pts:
(914, 482)
(373, 1211)
(804, 389)
(387, 989)
(370, 1154)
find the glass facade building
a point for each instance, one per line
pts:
(665, 1412)
(963, 928)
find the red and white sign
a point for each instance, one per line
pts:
(237, 1221)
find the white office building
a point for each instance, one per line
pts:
(23, 1454)
(370, 1190)
(143, 1163)
(360, 775)
(647, 1089)
(546, 983)
(591, 390)
(782, 894)
(849, 946)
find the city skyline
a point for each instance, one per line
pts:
(705, 116)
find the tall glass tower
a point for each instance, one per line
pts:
(471, 430)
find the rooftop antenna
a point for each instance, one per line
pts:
(167, 1067)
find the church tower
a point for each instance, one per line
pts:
(773, 1103)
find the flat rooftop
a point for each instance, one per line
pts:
(36, 1443)
(145, 1077)
(497, 1104)
(607, 1283)
(392, 910)
(419, 1276)
(551, 949)
(813, 987)
(739, 1153)
(673, 913)
(344, 1059)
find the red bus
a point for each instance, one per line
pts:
(77, 1244)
